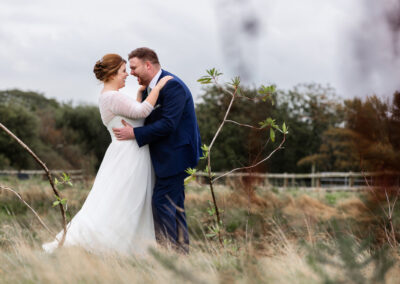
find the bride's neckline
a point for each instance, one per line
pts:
(109, 91)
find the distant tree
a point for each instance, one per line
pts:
(30, 100)
(82, 126)
(337, 152)
(376, 125)
(368, 140)
(25, 125)
(310, 110)
(235, 146)
(62, 135)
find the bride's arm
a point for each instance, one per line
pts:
(123, 105)
(153, 96)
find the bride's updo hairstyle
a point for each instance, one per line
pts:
(108, 66)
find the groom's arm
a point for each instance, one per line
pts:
(172, 109)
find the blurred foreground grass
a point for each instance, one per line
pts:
(271, 237)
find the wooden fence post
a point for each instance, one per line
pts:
(285, 181)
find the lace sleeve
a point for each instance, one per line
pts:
(123, 105)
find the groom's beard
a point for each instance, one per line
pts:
(142, 82)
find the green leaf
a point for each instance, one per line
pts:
(213, 72)
(190, 171)
(269, 122)
(188, 179)
(56, 181)
(235, 82)
(55, 203)
(205, 150)
(205, 80)
(272, 134)
(284, 128)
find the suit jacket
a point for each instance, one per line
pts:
(171, 130)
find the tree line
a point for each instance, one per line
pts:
(62, 135)
(326, 132)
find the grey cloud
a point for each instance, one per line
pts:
(51, 46)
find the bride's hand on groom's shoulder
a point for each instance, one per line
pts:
(163, 81)
(124, 133)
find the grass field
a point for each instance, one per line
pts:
(270, 237)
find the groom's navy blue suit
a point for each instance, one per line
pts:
(172, 133)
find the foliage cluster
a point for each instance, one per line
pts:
(64, 136)
(327, 133)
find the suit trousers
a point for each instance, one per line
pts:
(169, 212)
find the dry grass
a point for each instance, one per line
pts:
(24, 262)
(265, 241)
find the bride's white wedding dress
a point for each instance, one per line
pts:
(117, 214)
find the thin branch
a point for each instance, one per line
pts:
(2, 187)
(388, 215)
(388, 201)
(209, 161)
(255, 165)
(222, 89)
(387, 237)
(247, 98)
(391, 209)
(244, 125)
(373, 192)
(223, 121)
(262, 149)
(64, 218)
(395, 200)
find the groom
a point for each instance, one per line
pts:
(172, 133)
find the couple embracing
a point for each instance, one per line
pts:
(137, 199)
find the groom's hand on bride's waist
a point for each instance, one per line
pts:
(124, 133)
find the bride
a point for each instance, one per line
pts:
(117, 214)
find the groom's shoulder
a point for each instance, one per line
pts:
(176, 81)
(176, 78)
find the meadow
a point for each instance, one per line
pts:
(269, 236)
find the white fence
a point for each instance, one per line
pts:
(329, 181)
(25, 174)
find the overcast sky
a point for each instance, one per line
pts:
(51, 46)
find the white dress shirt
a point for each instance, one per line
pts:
(153, 81)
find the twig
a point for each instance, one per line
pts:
(64, 218)
(245, 125)
(2, 187)
(255, 165)
(224, 120)
(209, 164)
(388, 214)
(371, 189)
(247, 98)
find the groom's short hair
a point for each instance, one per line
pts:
(144, 53)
